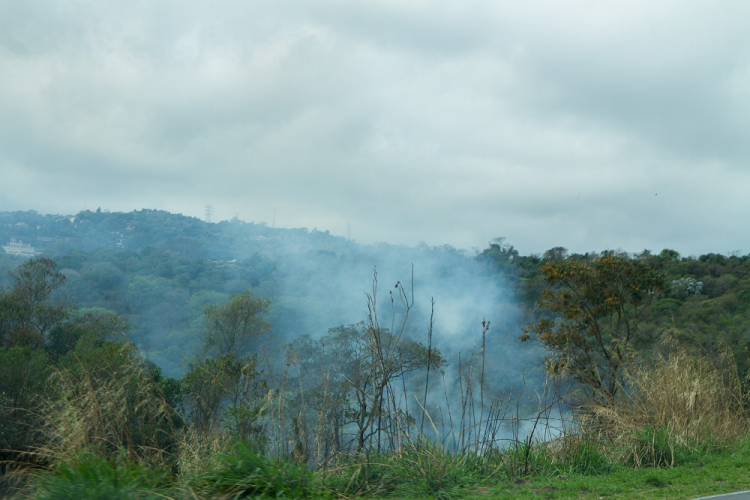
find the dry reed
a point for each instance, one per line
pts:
(104, 406)
(673, 401)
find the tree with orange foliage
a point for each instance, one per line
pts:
(596, 308)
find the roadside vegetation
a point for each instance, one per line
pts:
(644, 397)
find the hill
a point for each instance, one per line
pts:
(160, 270)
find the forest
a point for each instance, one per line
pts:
(153, 355)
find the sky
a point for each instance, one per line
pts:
(592, 125)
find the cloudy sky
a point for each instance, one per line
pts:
(586, 124)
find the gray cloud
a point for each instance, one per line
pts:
(582, 124)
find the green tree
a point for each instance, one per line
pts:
(226, 389)
(227, 386)
(36, 279)
(87, 329)
(27, 314)
(23, 381)
(229, 328)
(596, 309)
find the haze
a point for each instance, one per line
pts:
(589, 125)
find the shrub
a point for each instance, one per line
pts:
(677, 406)
(106, 401)
(578, 453)
(90, 477)
(433, 471)
(247, 473)
(376, 475)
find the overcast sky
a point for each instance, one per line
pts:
(591, 125)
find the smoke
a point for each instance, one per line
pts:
(160, 270)
(320, 290)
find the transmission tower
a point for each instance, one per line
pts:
(209, 212)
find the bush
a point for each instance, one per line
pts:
(676, 407)
(246, 473)
(375, 475)
(107, 400)
(581, 454)
(90, 477)
(433, 471)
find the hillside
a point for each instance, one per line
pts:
(165, 337)
(159, 271)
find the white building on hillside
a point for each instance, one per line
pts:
(18, 248)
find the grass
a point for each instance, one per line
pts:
(717, 473)
(680, 406)
(426, 473)
(89, 477)
(245, 472)
(681, 430)
(435, 472)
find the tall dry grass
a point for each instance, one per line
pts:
(675, 405)
(198, 451)
(106, 402)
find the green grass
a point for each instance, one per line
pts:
(360, 477)
(425, 472)
(714, 474)
(90, 477)
(435, 472)
(246, 473)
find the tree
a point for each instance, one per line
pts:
(556, 253)
(87, 329)
(228, 388)
(36, 279)
(26, 313)
(26, 318)
(503, 255)
(226, 385)
(349, 375)
(23, 382)
(230, 327)
(597, 307)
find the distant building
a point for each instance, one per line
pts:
(18, 248)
